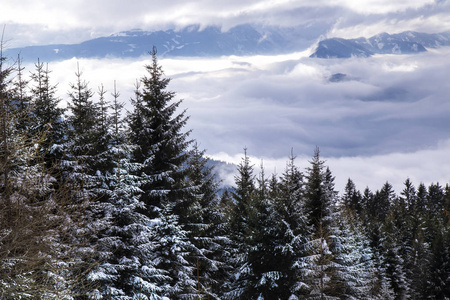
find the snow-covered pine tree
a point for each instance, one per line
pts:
(320, 266)
(206, 226)
(357, 274)
(171, 252)
(79, 149)
(126, 269)
(5, 126)
(34, 221)
(264, 272)
(83, 167)
(393, 260)
(161, 147)
(46, 118)
(240, 232)
(292, 231)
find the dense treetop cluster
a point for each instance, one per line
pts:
(98, 204)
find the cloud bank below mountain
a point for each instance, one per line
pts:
(374, 119)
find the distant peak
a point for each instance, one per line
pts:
(407, 42)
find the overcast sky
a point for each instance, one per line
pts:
(388, 121)
(70, 21)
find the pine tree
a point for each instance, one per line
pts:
(79, 149)
(264, 273)
(35, 219)
(21, 98)
(437, 233)
(435, 199)
(170, 252)
(352, 198)
(161, 147)
(438, 286)
(240, 227)
(356, 278)
(381, 202)
(292, 231)
(82, 167)
(7, 131)
(322, 267)
(206, 226)
(126, 269)
(46, 117)
(318, 196)
(396, 242)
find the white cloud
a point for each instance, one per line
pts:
(381, 6)
(426, 166)
(72, 21)
(387, 121)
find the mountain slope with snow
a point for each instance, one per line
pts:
(402, 43)
(241, 40)
(190, 41)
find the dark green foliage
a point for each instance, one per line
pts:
(161, 146)
(169, 196)
(319, 193)
(352, 198)
(47, 117)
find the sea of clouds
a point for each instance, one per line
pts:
(383, 118)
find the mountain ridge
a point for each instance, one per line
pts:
(246, 39)
(190, 41)
(406, 42)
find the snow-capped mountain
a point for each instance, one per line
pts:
(384, 43)
(190, 41)
(240, 40)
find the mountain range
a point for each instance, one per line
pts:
(401, 43)
(240, 40)
(189, 41)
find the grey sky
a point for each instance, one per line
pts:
(71, 21)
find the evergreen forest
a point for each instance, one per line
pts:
(99, 203)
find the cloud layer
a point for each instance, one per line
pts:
(49, 21)
(386, 119)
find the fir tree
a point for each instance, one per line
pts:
(322, 267)
(21, 98)
(352, 198)
(79, 148)
(240, 227)
(126, 269)
(264, 273)
(356, 278)
(35, 218)
(81, 167)
(319, 195)
(205, 223)
(292, 231)
(46, 117)
(161, 147)
(396, 243)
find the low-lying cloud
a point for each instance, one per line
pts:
(385, 119)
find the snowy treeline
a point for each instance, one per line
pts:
(98, 204)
